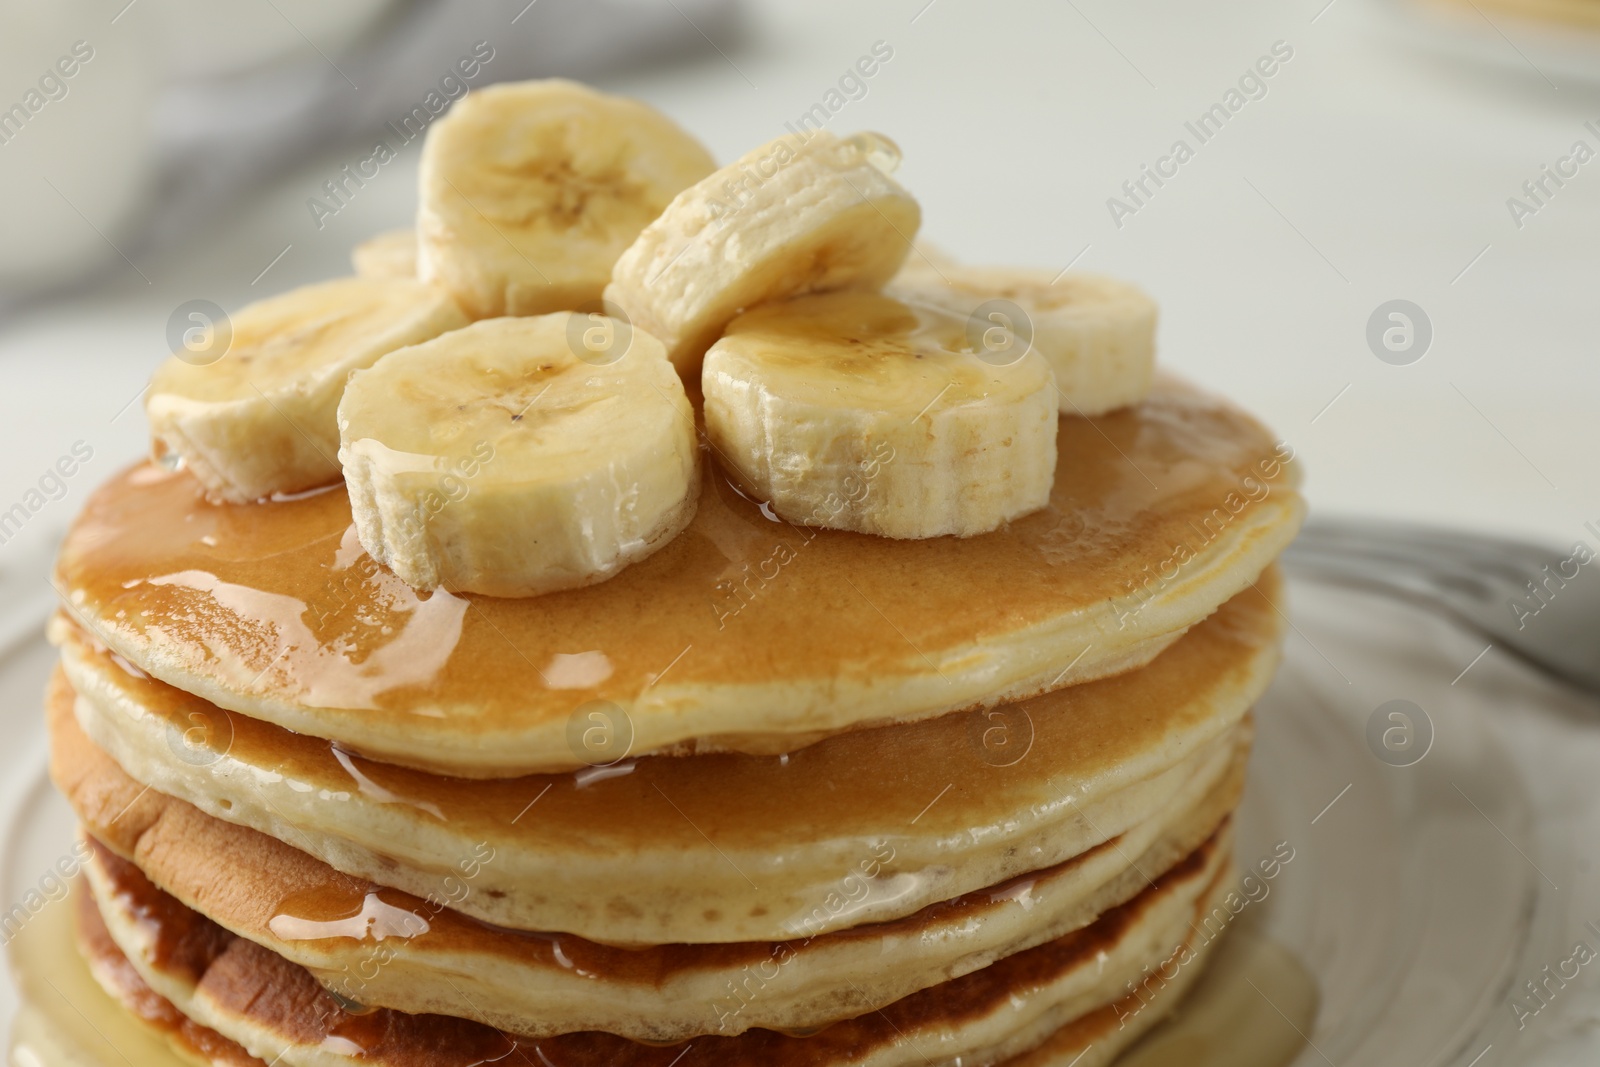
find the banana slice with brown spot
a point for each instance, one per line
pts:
(805, 213)
(860, 412)
(530, 191)
(520, 455)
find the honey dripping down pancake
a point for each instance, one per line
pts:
(277, 1011)
(742, 634)
(390, 949)
(726, 847)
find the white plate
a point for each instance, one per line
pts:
(1419, 898)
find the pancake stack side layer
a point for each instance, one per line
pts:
(934, 776)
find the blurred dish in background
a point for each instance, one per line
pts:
(202, 40)
(185, 106)
(1553, 42)
(1582, 13)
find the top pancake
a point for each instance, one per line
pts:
(744, 633)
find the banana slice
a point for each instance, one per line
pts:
(531, 190)
(391, 254)
(249, 404)
(799, 215)
(860, 412)
(1098, 333)
(520, 456)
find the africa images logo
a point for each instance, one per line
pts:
(52, 85)
(1252, 85)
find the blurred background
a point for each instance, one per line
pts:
(1384, 242)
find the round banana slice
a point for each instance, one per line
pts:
(391, 254)
(1098, 333)
(520, 456)
(802, 214)
(530, 191)
(860, 412)
(248, 403)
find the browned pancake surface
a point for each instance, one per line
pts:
(862, 785)
(199, 943)
(248, 879)
(249, 981)
(278, 600)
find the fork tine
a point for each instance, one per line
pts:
(1494, 586)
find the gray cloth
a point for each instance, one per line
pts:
(219, 137)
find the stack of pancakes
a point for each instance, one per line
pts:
(894, 802)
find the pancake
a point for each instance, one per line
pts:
(394, 950)
(742, 634)
(728, 847)
(278, 1013)
(111, 968)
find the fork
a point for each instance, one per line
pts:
(1541, 604)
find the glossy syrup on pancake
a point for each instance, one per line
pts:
(253, 982)
(1227, 1022)
(391, 949)
(744, 632)
(728, 846)
(1101, 765)
(248, 974)
(64, 1017)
